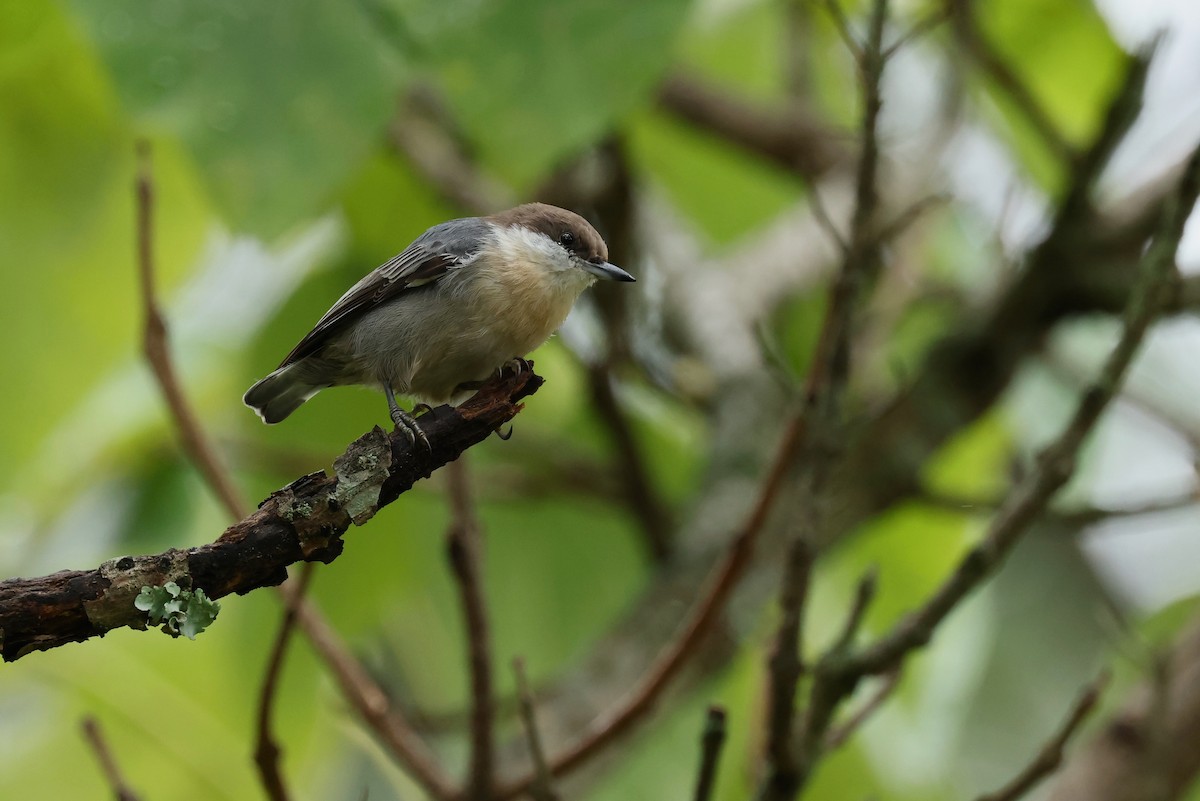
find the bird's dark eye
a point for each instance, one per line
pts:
(566, 239)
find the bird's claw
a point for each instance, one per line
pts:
(503, 436)
(516, 365)
(407, 425)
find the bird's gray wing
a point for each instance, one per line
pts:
(429, 258)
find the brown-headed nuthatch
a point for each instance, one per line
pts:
(461, 301)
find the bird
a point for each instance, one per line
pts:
(466, 298)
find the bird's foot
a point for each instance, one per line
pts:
(407, 425)
(506, 437)
(516, 365)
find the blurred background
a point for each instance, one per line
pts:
(713, 143)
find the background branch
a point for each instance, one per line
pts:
(267, 752)
(94, 736)
(157, 351)
(710, 752)
(1050, 756)
(542, 787)
(822, 408)
(464, 541)
(838, 673)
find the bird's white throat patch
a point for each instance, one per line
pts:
(516, 243)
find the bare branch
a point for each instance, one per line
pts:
(463, 544)
(155, 346)
(267, 752)
(1050, 756)
(842, 25)
(304, 521)
(710, 752)
(829, 687)
(824, 388)
(1120, 116)
(422, 132)
(1056, 463)
(112, 774)
(838, 736)
(375, 708)
(633, 473)
(785, 666)
(791, 138)
(993, 65)
(542, 787)
(821, 214)
(920, 28)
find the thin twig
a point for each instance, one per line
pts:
(542, 788)
(830, 685)
(1050, 755)
(797, 49)
(864, 593)
(786, 663)
(825, 220)
(463, 543)
(842, 25)
(981, 51)
(920, 28)
(793, 137)
(1070, 518)
(825, 385)
(710, 752)
(893, 228)
(866, 196)
(267, 753)
(155, 346)
(838, 736)
(839, 671)
(116, 781)
(1122, 112)
(423, 132)
(375, 708)
(633, 473)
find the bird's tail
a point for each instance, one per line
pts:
(280, 393)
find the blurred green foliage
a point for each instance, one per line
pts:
(269, 121)
(1064, 53)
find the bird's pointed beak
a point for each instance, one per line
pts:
(606, 271)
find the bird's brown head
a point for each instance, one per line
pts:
(566, 229)
(570, 231)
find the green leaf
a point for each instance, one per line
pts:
(726, 190)
(1063, 52)
(535, 80)
(277, 105)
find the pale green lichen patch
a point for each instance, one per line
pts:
(361, 472)
(292, 511)
(186, 612)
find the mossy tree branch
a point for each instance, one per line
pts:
(302, 522)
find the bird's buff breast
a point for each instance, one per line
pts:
(472, 323)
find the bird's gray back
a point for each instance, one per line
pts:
(430, 257)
